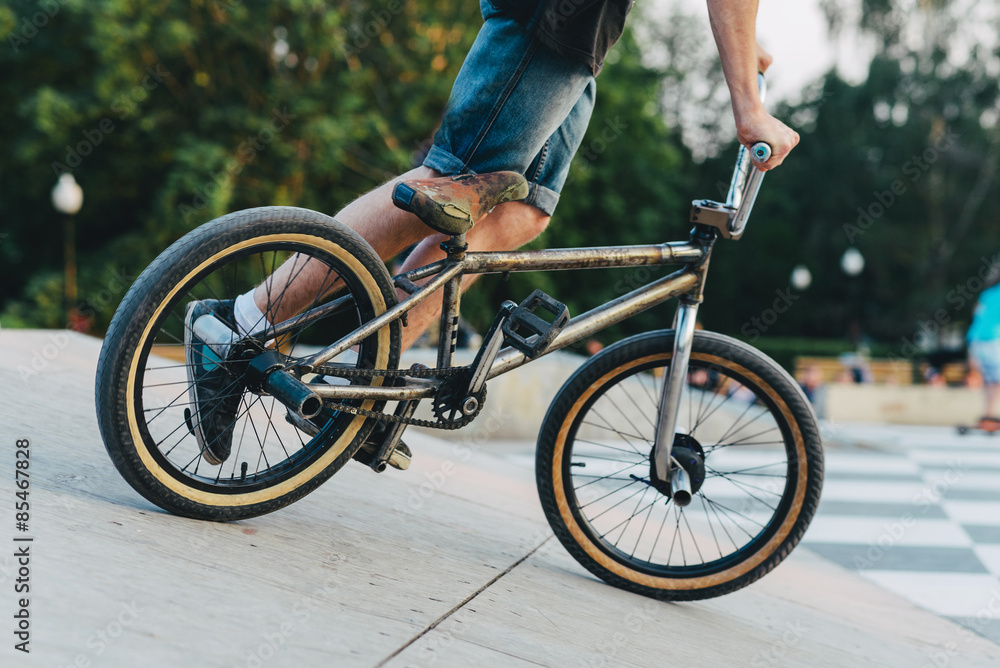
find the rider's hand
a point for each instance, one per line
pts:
(754, 124)
(763, 59)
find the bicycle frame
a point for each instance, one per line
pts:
(447, 274)
(710, 218)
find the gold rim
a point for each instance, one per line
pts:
(304, 476)
(680, 584)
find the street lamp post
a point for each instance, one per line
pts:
(67, 198)
(852, 263)
(801, 278)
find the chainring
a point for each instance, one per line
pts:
(453, 377)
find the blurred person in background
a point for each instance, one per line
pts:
(984, 347)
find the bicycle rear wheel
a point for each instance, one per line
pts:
(144, 399)
(746, 434)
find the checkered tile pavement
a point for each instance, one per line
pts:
(917, 512)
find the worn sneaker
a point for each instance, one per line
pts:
(989, 424)
(215, 392)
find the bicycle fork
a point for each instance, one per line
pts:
(674, 387)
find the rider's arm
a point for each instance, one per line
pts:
(733, 24)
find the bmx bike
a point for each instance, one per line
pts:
(679, 464)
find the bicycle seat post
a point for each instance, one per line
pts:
(455, 247)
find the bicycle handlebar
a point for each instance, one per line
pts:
(746, 178)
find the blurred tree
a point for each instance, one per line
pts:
(170, 115)
(902, 166)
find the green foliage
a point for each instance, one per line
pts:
(170, 114)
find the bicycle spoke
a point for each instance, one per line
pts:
(637, 451)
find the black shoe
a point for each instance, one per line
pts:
(215, 392)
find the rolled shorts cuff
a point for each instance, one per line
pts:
(443, 162)
(542, 198)
(447, 164)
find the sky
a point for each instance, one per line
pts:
(795, 33)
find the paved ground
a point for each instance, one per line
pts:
(914, 510)
(917, 511)
(448, 564)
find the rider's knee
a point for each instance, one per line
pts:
(529, 220)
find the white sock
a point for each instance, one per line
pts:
(249, 318)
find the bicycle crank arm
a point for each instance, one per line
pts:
(487, 354)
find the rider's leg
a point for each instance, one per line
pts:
(508, 226)
(517, 106)
(300, 280)
(992, 391)
(375, 218)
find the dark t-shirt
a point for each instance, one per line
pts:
(583, 30)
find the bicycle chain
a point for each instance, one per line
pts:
(355, 372)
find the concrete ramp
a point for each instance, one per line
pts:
(448, 564)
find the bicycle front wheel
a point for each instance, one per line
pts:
(746, 435)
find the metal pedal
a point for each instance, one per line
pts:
(301, 423)
(529, 333)
(399, 459)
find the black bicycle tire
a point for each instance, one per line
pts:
(150, 290)
(660, 343)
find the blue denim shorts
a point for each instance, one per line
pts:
(516, 105)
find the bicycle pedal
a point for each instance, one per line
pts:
(188, 422)
(301, 423)
(529, 333)
(399, 459)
